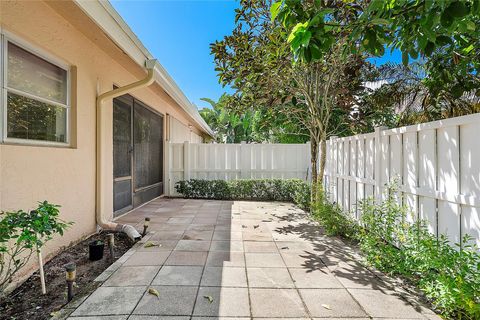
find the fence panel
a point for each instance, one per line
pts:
(235, 161)
(435, 164)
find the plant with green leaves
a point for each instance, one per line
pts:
(256, 61)
(332, 218)
(23, 233)
(393, 241)
(289, 190)
(231, 125)
(418, 28)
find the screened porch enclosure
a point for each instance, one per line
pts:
(137, 154)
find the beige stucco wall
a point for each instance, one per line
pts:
(66, 176)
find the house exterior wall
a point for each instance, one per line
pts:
(179, 132)
(67, 175)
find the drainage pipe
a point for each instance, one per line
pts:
(102, 221)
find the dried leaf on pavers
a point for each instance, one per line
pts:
(244, 226)
(326, 306)
(285, 248)
(256, 226)
(154, 292)
(209, 298)
(150, 244)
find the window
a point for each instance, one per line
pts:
(36, 102)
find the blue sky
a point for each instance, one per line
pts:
(178, 33)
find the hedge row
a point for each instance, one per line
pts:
(291, 190)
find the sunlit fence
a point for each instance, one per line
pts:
(436, 166)
(235, 161)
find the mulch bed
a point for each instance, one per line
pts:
(27, 301)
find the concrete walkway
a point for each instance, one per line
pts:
(239, 260)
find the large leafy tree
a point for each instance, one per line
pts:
(257, 62)
(407, 97)
(251, 125)
(444, 33)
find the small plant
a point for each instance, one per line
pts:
(291, 190)
(333, 219)
(23, 233)
(448, 274)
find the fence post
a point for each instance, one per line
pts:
(332, 168)
(186, 160)
(243, 160)
(378, 163)
(308, 176)
(166, 179)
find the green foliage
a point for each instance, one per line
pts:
(407, 97)
(333, 219)
(22, 233)
(255, 60)
(448, 275)
(415, 27)
(424, 29)
(391, 242)
(232, 124)
(290, 190)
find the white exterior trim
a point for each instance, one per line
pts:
(108, 19)
(8, 37)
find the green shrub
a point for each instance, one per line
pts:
(290, 190)
(448, 275)
(333, 219)
(23, 233)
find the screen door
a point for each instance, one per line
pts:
(137, 154)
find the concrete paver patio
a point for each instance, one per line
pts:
(239, 260)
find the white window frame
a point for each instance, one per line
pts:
(5, 38)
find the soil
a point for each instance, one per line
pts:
(27, 302)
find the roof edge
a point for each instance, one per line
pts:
(110, 21)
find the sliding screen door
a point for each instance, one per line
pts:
(137, 154)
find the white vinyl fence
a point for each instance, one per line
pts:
(235, 161)
(436, 164)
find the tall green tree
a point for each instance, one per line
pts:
(444, 33)
(251, 125)
(257, 62)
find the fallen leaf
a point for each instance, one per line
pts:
(244, 226)
(209, 298)
(154, 292)
(150, 244)
(256, 226)
(326, 306)
(285, 248)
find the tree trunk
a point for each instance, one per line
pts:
(314, 165)
(323, 161)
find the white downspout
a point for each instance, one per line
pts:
(103, 222)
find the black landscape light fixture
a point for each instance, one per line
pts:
(70, 276)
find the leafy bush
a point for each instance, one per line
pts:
(291, 190)
(333, 219)
(391, 242)
(23, 233)
(448, 275)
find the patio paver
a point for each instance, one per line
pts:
(239, 260)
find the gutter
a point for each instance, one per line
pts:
(102, 221)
